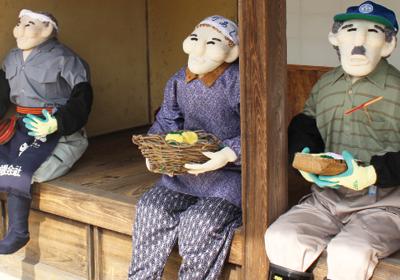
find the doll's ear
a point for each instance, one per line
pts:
(333, 39)
(233, 55)
(47, 30)
(388, 48)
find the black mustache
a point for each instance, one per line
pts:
(359, 50)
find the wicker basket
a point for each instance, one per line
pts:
(319, 165)
(169, 157)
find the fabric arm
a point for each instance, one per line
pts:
(235, 145)
(303, 132)
(5, 101)
(387, 169)
(75, 114)
(170, 116)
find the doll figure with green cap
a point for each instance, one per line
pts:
(355, 215)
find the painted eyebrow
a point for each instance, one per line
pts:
(31, 22)
(216, 39)
(380, 28)
(347, 26)
(193, 35)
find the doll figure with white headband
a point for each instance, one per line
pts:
(50, 85)
(202, 208)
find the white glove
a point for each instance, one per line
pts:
(217, 160)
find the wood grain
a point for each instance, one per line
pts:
(57, 242)
(115, 255)
(263, 77)
(26, 269)
(301, 79)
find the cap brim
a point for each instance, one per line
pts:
(344, 17)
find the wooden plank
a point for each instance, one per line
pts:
(26, 269)
(235, 254)
(86, 205)
(309, 68)
(263, 87)
(98, 249)
(116, 255)
(57, 242)
(90, 252)
(301, 79)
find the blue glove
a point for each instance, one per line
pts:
(355, 177)
(39, 126)
(312, 178)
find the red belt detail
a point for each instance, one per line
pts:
(33, 111)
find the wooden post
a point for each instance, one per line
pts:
(263, 79)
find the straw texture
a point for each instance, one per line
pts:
(169, 157)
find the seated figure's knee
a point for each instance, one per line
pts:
(280, 237)
(343, 253)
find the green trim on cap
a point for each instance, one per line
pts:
(344, 17)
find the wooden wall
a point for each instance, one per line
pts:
(169, 23)
(301, 80)
(111, 36)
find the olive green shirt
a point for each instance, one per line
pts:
(334, 94)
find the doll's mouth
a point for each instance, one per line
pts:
(358, 60)
(22, 39)
(197, 60)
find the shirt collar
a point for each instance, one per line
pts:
(377, 76)
(208, 79)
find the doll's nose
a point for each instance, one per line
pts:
(21, 30)
(360, 37)
(200, 47)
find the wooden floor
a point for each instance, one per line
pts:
(114, 164)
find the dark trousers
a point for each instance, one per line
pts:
(203, 225)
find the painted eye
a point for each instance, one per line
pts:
(373, 30)
(352, 29)
(194, 39)
(210, 42)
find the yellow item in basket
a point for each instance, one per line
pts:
(189, 137)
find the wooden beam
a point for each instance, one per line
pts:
(263, 79)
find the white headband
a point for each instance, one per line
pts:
(39, 17)
(225, 26)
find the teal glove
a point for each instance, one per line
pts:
(39, 126)
(355, 177)
(312, 178)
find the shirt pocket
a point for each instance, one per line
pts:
(44, 79)
(381, 131)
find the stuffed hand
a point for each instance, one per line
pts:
(217, 160)
(39, 126)
(312, 178)
(355, 177)
(148, 164)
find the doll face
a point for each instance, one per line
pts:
(30, 33)
(362, 45)
(207, 50)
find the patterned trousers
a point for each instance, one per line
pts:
(203, 225)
